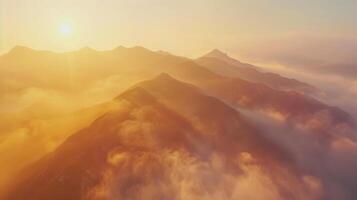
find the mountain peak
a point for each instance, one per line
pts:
(19, 50)
(135, 49)
(216, 53)
(121, 47)
(87, 48)
(137, 95)
(165, 76)
(139, 47)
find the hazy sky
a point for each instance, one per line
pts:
(246, 28)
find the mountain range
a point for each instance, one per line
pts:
(168, 127)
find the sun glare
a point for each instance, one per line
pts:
(66, 29)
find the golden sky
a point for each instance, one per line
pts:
(183, 27)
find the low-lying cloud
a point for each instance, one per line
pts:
(329, 159)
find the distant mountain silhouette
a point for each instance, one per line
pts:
(221, 63)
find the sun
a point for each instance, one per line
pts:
(65, 29)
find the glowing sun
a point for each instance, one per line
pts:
(65, 29)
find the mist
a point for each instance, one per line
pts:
(329, 159)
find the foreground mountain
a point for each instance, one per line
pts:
(221, 63)
(160, 143)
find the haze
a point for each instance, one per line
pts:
(178, 100)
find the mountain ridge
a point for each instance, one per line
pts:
(139, 64)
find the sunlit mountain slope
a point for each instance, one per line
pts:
(148, 147)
